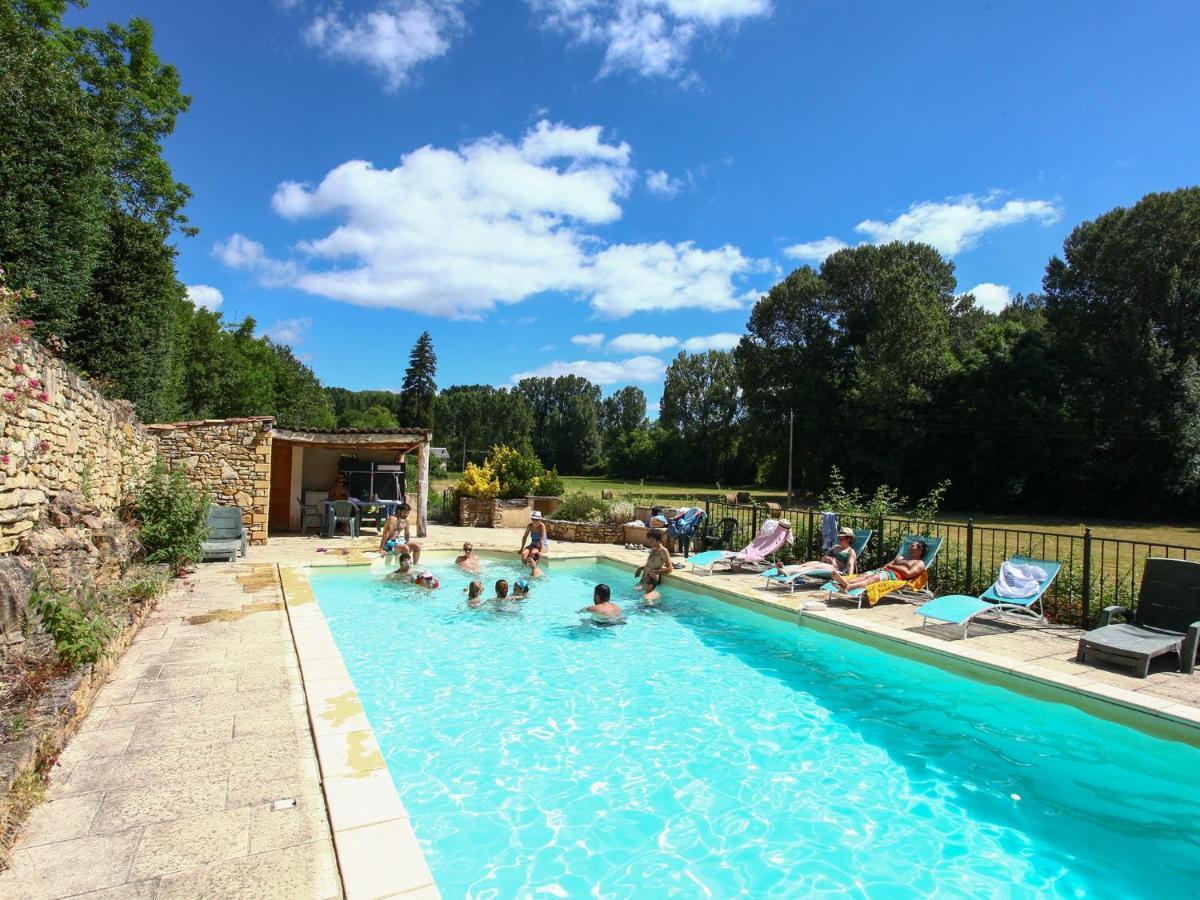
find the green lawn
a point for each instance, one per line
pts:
(1180, 534)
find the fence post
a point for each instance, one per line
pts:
(754, 522)
(970, 554)
(812, 545)
(707, 511)
(1087, 576)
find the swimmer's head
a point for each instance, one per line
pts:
(474, 590)
(521, 586)
(501, 588)
(602, 593)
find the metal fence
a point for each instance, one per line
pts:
(1096, 571)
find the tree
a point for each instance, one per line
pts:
(372, 418)
(349, 406)
(420, 384)
(471, 418)
(566, 421)
(701, 409)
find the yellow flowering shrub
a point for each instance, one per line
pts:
(479, 481)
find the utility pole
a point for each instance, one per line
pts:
(791, 430)
(464, 468)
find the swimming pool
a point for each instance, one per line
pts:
(705, 750)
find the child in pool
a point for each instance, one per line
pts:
(603, 611)
(427, 580)
(520, 589)
(475, 594)
(501, 591)
(658, 564)
(535, 571)
(404, 570)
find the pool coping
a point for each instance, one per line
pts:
(377, 851)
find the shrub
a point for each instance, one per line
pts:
(78, 626)
(479, 482)
(437, 468)
(620, 512)
(550, 484)
(517, 472)
(580, 507)
(171, 516)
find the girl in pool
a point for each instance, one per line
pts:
(520, 589)
(427, 580)
(475, 594)
(603, 611)
(535, 571)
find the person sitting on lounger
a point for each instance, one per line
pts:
(841, 558)
(899, 569)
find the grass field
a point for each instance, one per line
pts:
(1180, 534)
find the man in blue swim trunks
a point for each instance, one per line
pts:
(535, 533)
(395, 537)
(902, 568)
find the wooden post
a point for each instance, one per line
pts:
(423, 488)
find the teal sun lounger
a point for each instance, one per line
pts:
(932, 546)
(959, 609)
(817, 577)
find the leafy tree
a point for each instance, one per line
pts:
(566, 417)
(299, 400)
(474, 417)
(420, 384)
(701, 410)
(373, 417)
(349, 406)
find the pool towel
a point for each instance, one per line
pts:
(829, 529)
(1019, 581)
(880, 589)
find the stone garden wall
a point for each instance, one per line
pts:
(230, 458)
(585, 532)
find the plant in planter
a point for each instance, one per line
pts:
(578, 506)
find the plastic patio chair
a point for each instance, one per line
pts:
(309, 511)
(719, 535)
(343, 511)
(226, 534)
(959, 609)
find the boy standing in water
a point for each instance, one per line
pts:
(658, 564)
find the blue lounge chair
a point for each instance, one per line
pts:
(959, 609)
(932, 546)
(817, 577)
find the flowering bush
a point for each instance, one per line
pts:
(479, 481)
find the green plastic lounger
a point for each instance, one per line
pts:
(959, 609)
(226, 534)
(1167, 620)
(932, 546)
(817, 577)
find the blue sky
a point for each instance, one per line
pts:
(592, 185)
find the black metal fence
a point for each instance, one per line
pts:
(1096, 571)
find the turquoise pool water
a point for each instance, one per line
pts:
(704, 751)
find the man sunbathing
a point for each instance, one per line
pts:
(901, 568)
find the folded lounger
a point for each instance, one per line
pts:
(917, 587)
(773, 535)
(959, 609)
(1167, 620)
(817, 577)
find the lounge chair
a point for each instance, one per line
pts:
(226, 534)
(1167, 620)
(959, 609)
(916, 589)
(817, 577)
(773, 535)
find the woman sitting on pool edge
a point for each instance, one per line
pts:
(842, 558)
(535, 533)
(901, 568)
(603, 611)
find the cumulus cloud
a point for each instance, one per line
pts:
(288, 331)
(815, 251)
(204, 295)
(662, 184)
(651, 38)
(723, 340)
(992, 297)
(957, 224)
(391, 39)
(641, 343)
(455, 232)
(643, 369)
(588, 340)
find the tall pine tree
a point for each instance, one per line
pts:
(420, 385)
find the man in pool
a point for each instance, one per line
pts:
(603, 611)
(468, 562)
(404, 570)
(501, 591)
(535, 534)
(658, 564)
(902, 568)
(396, 538)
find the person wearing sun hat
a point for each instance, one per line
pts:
(841, 558)
(535, 534)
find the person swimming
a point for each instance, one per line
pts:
(475, 594)
(520, 589)
(501, 591)
(468, 562)
(427, 579)
(403, 570)
(603, 611)
(535, 571)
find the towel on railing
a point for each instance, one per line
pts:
(829, 529)
(1018, 581)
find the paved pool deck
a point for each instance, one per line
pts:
(171, 786)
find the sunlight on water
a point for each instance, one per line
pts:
(704, 751)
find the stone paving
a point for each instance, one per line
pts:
(168, 789)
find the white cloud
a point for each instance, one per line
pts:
(643, 369)
(588, 340)
(662, 184)
(992, 297)
(641, 343)
(204, 295)
(455, 232)
(652, 38)
(391, 39)
(288, 331)
(815, 251)
(724, 340)
(957, 224)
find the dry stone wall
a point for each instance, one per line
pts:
(230, 458)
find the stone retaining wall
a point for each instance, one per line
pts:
(585, 532)
(229, 458)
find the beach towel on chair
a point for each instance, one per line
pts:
(880, 589)
(1018, 581)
